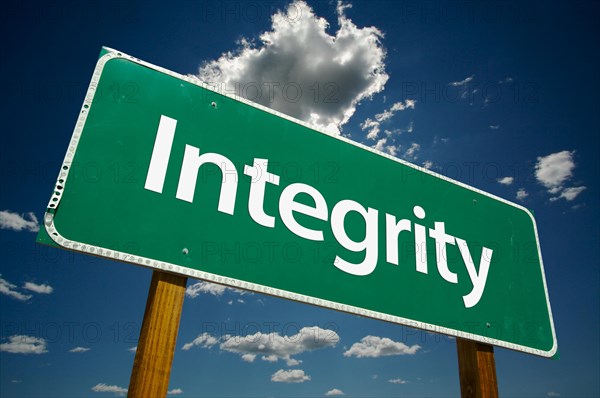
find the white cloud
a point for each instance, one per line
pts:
(299, 69)
(380, 146)
(391, 111)
(199, 288)
(494, 126)
(508, 79)
(204, 340)
(522, 194)
(397, 381)
(411, 152)
(9, 290)
(17, 222)
(248, 357)
(292, 362)
(506, 180)
(553, 394)
(462, 82)
(373, 127)
(569, 193)
(290, 376)
(273, 347)
(132, 349)
(41, 289)
(374, 347)
(554, 170)
(101, 387)
(428, 164)
(175, 391)
(334, 393)
(79, 349)
(392, 149)
(21, 344)
(196, 289)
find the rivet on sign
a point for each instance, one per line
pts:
(213, 104)
(185, 251)
(488, 325)
(474, 201)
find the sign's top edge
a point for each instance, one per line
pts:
(111, 52)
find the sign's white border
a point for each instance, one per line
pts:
(173, 268)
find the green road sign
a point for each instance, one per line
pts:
(164, 172)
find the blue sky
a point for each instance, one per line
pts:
(500, 95)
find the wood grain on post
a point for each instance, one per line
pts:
(477, 369)
(156, 346)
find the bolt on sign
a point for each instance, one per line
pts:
(164, 172)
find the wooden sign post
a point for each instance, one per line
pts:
(477, 369)
(156, 346)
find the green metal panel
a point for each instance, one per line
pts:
(100, 206)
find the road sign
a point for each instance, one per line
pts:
(164, 172)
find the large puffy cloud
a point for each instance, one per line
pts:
(374, 347)
(299, 69)
(21, 344)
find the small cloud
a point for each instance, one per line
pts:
(248, 357)
(21, 344)
(17, 222)
(175, 391)
(494, 126)
(79, 349)
(101, 387)
(411, 152)
(375, 377)
(554, 170)
(10, 290)
(553, 394)
(428, 164)
(397, 381)
(292, 362)
(462, 82)
(334, 393)
(290, 376)
(213, 289)
(380, 146)
(204, 340)
(507, 79)
(271, 347)
(506, 180)
(569, 194)
(16, 381)
(372, 126)
(132, 349)
(41, 289)
(397, 107)
(375, 347)
(522, 194)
